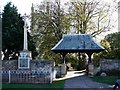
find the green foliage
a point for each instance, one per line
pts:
(112, 50)
(12, 33)
(96, 60)
(70, 58)
(31, 46)
(89, 17)
(111, 45)
(48, 26)
(106, 52)
(81, 65)
(113, 40)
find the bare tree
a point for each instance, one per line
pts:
(90, 17)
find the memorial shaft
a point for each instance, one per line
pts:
(25, 35)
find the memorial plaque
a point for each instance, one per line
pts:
(24, 60)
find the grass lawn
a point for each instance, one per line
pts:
(108, 79)
(56, 84)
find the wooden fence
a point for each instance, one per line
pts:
(27, 76)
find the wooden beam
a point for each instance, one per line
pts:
(89, 57)
(63, 56)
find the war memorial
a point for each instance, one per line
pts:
(27, 70)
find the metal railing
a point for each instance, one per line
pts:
(27, 76)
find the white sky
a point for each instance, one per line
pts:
(23, 6)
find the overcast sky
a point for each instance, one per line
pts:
(23, 6)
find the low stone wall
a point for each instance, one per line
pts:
(34, 64)
(109, 64)
(41, 71)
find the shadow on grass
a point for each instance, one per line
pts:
(56, 85)
(107, 80)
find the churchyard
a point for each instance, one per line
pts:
(46, 55)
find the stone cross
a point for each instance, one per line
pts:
(25, 47)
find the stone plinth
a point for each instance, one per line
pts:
(63, 69)
(91, 69)
(24, 59)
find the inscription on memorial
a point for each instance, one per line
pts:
(24, 60)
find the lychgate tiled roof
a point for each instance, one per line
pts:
(77, 42)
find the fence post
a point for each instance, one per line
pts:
(9, 76)
(51, 75)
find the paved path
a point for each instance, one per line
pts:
(75, 79)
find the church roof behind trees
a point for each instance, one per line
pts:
(77, 43)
